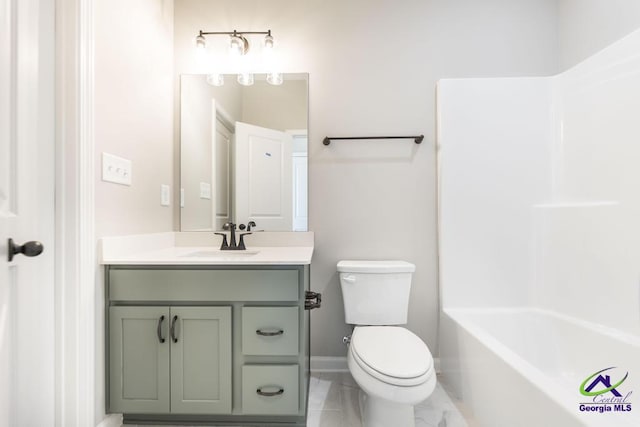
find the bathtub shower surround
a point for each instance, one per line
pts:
(539, 208)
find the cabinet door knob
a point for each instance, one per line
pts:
(159, 331)
(269, 393)
(269, 333)
(29, 249)
(173, 329)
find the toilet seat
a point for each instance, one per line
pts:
(391, 354)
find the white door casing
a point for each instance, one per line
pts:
(220, 166)
(300, 179)
(263, 177)
(27, 140)
(300, 202)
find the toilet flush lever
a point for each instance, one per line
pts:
(349, 279)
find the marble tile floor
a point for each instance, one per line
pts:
(333, 402)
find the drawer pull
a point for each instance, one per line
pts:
(159, 331)
(173, 329)
(269, 333)
(270, 393)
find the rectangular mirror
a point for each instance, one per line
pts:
(243, 153)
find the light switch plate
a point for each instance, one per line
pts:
(116, 169)
(165, 195)
(205, 190)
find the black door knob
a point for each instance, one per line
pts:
(29, 249)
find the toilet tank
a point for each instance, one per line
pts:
(375, 292)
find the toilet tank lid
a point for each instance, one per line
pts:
(375, 267)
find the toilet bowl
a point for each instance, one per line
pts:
(392, 366)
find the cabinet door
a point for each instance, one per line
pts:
(201, 360)
(139, 360)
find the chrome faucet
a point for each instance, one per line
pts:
(231, 245)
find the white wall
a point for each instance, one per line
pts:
(587, 26)
(276, 107)
(373, 66)
(133, 112)
(196, 156)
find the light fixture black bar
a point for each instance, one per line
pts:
(234, 32)
(417, 139)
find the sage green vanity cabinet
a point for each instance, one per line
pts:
(208, 344)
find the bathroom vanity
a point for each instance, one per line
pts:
(194, 335)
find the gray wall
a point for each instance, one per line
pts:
(587, 26)
(133, 112)
(373, 68)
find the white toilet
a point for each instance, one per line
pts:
(391, 365)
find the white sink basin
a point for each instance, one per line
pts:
(217, 253)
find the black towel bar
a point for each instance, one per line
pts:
(417, 139)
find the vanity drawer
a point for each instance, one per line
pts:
(270, 389)
(157, 284)
(270, 331)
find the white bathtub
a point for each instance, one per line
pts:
(524, 367)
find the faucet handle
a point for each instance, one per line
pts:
(241, 245)
(229, 226)
(250, 224)
(224, 245)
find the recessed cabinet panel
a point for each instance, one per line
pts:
(270, 331)
(201, 360)
(203, 285)
(139, 369)
(270, 389)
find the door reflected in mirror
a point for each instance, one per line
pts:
(243, 153)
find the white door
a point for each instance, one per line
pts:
(263, 177)
(26, 212)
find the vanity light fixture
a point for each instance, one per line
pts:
(238, 47)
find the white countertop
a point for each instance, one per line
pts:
(193, 249)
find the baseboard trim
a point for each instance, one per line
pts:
(112, 420)
(436, 365)
(339, 364)
(328, 364)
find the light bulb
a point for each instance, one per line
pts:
(245, 79)
(238, 45)
(215, 79)
(201, 42)
(275, 79)
(268, 42)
